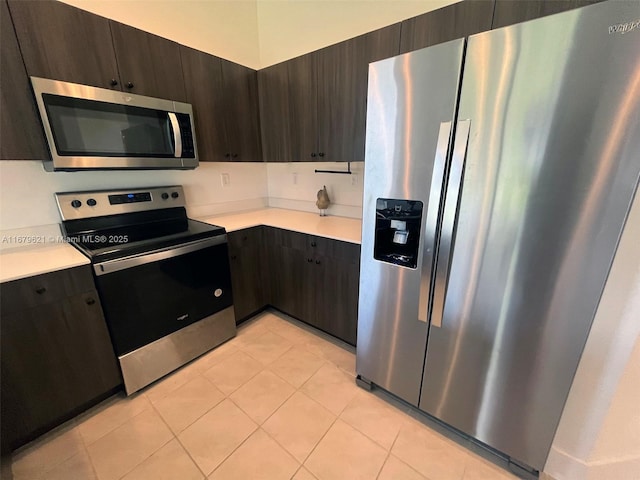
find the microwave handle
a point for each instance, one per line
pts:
(177, 134)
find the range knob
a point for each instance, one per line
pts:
(76, 203)
(165, 195)
(175, 194)
(91, 202)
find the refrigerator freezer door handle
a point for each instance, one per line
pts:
(431, 221)
(449, 215)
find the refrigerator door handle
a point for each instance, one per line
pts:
(454, 186)
(431, 221)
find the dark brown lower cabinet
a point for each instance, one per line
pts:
(56, 358)
(247, 255)
(315, 280)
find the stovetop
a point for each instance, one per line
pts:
(116, 243)
(105, 224)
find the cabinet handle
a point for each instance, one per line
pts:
(317, 262)
(321, 154)
(227, 155)
(129, 85)
(113, 82)
(233, 257)
(313, 155)
(235, 155)
(40, 290)
(90, 301)
(313, 244)
(309, 260)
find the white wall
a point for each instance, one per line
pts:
(295, 185)
(288, 28)
(26, 189)
(226, 28)
(258, 33)
(599, 433)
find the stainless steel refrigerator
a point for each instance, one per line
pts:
(498, 176)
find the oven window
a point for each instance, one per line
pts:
(91, 128)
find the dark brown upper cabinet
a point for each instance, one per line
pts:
(448, 23)
(225, 106)
(508, 12)
(242, 125)
(275, 126)
(203, 82)
(303, 98)
(148, 64)
(313, 107)
(65, 43)
(343, 72)
(20, 130)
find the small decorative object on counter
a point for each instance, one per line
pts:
(323, 201)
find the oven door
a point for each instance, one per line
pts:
(150, 296)
(96, 128)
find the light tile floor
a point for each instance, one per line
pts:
(278, 401)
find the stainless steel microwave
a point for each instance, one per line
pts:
(89, 128)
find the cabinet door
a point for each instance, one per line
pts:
(20, 130)
(336, 291)
(303, 136)
(56, 359)
(508, 12)
(275, 126)
(448, 23)
(204, 88)
(148, 64)
(248, 275)
(287, 272)
(343, 71)
(241, 112)
(65, 43)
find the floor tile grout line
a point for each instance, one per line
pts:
(320, 441)
(199, 417)
(364, 433)
(235, 449)
(178, 440)
(267, 364)
(93, 467)
(388, 454)
(88, 444)
(57, 432)
(285, 448)
(299, 387)
(270, 415)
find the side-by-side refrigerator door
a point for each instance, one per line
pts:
(410, 111)
(546, 175)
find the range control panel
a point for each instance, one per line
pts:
(99, 203)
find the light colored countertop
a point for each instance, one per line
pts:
(22, 262)
(16, 263)
(337, 228)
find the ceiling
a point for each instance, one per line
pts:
(258, 33)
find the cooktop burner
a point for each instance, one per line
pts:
(105, 225)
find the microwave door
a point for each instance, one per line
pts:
(92, 128)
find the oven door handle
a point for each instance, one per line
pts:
(110, 266)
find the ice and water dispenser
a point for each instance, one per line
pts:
(397, 231)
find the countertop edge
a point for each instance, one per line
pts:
(12, 261)
(246, 222)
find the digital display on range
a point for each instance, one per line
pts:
(129, 198)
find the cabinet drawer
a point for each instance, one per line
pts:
(43, 289)
(336, 249)
(287, 238)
